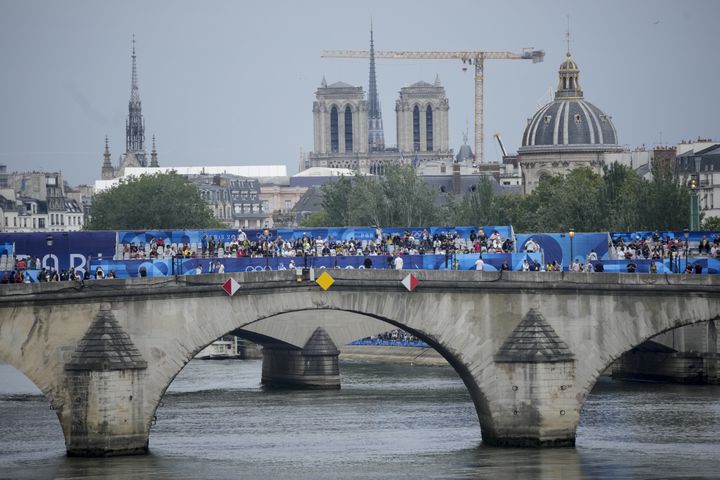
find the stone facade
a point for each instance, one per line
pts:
(340, 117)
(38, 202)
(233, 200)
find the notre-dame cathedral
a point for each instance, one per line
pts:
(349, 130)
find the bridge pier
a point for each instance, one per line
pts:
(533, 403)
(313, 366)
(105, 379)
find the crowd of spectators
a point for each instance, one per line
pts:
(657, 247)
(396, 337)
(265, 246)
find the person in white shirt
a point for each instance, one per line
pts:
(398, 262)
(479, 264)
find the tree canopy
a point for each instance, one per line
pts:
(617, 199)
(400, 198)
(159, 201)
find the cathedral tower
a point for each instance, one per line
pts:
(422, 118)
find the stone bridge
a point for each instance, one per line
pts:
(529, 346)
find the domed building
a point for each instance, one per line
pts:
(567, 133)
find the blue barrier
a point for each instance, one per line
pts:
(557, 246)
(709, 265)
(695, 236)
(335, 233)
(182, 266)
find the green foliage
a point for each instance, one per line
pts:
(335, 201)
(160, 201)
(618, 199)
(400, 198)
(711, 223)
(483, 206)
(583, 200)
(315, 219)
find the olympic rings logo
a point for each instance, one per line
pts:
(258, 268)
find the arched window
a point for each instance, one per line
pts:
(416, 128)
(334, 144)
(348, 130)
(429, 128)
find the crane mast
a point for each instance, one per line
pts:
(467, 57)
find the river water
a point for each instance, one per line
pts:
(388, 421)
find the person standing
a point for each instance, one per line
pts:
(398, 262)
(479, 263)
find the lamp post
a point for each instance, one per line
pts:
(49, 242)
(571, 234)
(686, 234)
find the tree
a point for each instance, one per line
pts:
(668, 202)
(410, 201)
(711, 223)
(399, 199)
(335, 195)
(159, 201)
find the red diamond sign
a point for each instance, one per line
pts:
(410, 282)
(231, 286)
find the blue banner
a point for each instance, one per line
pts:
(558, 246)
(182, 266)
(708, 265)
(68, 249)
(335, 233)
(628, 237)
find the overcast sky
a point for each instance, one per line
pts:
(232, 83)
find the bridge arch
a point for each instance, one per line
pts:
(463, 371)
(632, 343)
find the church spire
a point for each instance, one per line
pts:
(107, 171)
(135, 125)
(376, 138)
(153, 156)
(134, 89)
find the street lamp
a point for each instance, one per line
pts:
(686, 234)
(49, 242)
(571, 234)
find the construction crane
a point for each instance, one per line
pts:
(499, 140)
(469, 58)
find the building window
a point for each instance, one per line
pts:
(334, 143)
(288, 205)
(41, 223)
(429, 128)
(416, 129)
(348, 130)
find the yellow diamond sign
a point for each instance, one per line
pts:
(325, 281)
